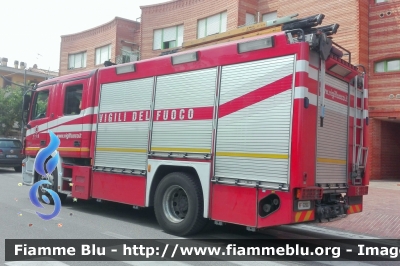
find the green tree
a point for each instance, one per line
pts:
(10, 108)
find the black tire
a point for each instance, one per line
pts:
(54, 188)
(166, 214)
(18, 169)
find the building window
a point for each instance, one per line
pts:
(387, 66)
(168, 37)
(380, 1)
(250, 19)
(77, 60)
(73, 100)
(270, 16)
(126, 52)
(212, 25)
(103, 54)
(126, 55)
(7, 82)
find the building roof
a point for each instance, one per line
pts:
(44, 71)
(159, 4)
(35, 72)
(98, 27)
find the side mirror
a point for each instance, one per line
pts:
(27, 101)
(28, 126)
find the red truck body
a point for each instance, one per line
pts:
(231, 133)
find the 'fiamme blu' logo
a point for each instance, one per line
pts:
(41, 166)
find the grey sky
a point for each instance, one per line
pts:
(31, 30)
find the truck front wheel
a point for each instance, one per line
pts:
(178, 204)
(53, 187)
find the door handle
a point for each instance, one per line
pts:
(42, 142)
(77, 143)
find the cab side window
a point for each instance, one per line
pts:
(40, 105)
(73, 100)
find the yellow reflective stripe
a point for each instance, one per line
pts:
(308, 215)
(122, 150)
(196, 150)
(60, 149)
(253, 155)
(32, 149)
(226, 154)
(358, 209)
(297, 217)
(73, 149)
(331, 161)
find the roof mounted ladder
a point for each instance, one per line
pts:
(324, 47)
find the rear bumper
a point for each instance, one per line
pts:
(11, 162)
(28, 172)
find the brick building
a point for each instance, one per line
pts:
(167, 25)
(384, 85)
(116, 41)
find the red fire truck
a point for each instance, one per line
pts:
(257, 129)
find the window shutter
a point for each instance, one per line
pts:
(78, 61)
(104, 55)
(180, 35)
(169, 34)
(250, 19)
(71, 61)
(224, 21)
(380, 67)
(270, 16)
(98, 56)
(201, 28)
(213, 24)
(157, 40)
(84, 59)
(393, 65)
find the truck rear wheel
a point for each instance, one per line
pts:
(178, 204)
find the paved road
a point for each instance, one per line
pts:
(94, 220)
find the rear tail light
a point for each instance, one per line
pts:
(309, 193)
(357, 191)
(1, 152)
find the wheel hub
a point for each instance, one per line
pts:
(48, 178)
(175, 204)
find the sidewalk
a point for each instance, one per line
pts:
(380, 216)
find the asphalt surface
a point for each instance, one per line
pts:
(105, 220)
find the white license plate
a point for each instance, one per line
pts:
(11, 156)
(304, 205)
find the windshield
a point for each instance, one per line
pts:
(10, 144)
(40, 105)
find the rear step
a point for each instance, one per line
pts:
(66, 186)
